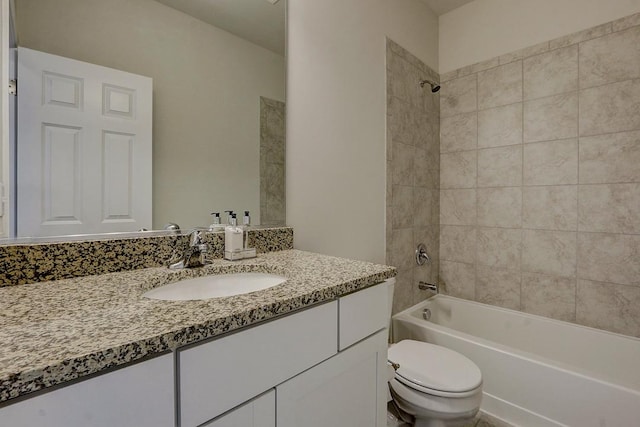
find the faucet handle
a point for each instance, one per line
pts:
(196, 238)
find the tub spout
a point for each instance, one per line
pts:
(428, 286)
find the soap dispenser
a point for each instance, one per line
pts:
(233, 236)
(246, 224)
(215, 222)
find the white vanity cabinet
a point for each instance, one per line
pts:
(327, 364)
(139, 395)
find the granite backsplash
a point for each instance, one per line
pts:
(40, 262)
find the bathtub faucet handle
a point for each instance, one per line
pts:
(422, 257)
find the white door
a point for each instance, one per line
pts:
(84, 147)
(4, 119)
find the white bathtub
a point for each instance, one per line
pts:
(536, 371)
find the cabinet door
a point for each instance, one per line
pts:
(140, 395)
(348, 390)
(260, 412)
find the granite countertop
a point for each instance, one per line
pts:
(57, 331)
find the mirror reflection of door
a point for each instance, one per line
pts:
(84, 152)
(7, 120)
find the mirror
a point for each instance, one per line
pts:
(217, 68)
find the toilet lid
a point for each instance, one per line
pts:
(434, 367)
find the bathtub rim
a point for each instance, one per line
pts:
(406, 315)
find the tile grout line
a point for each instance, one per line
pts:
(475, 225)
(522, 191)
(575, 292)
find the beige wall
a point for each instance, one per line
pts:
(484, 29)
(540, 179)
(336, 117)
(207, 88)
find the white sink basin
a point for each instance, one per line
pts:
(215, 286)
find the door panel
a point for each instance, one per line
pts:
(84, 154)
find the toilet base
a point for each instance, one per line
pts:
(434, 411)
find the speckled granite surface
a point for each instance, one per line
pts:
(40, 262)
(58, 331)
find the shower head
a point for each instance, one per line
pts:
(434, 86)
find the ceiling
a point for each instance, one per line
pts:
(257, 21)
(440, 7)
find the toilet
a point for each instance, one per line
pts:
(436, 386)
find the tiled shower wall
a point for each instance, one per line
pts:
(540, 179)
(272, 162)
(412, 173)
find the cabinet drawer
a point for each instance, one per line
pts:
(221, 374)
(363, 313)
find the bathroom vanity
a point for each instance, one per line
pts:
(311, 351)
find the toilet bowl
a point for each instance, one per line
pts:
(436, 386)
(433, 384)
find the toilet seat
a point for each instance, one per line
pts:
(434, 370)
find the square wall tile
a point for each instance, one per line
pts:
(551, 73)
(458, 279)
(425, 206)
(458, 243)
(500, 126)
(499, 247)
(613, 208)
(426, 167)
(458, 170)
(498, 287)
(610, 108)
(549, 252)
(430, 236)
(551, 163)
(402, 164)
(458, 96)
(612, 258)
(402, 206)
(459, 132)
(500, 86)
(400, 253)
(549, 296)
(403, 80)
(581, 36)
(550, 207)
(608, 306)
(458, 207)
(551, 118)
(402, 120)
(611, 158)
(500, 207)
(500, 167)
(626, 22)
(403, 291)
(609, 59)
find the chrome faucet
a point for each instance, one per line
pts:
(433, 287)
(196, 248)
